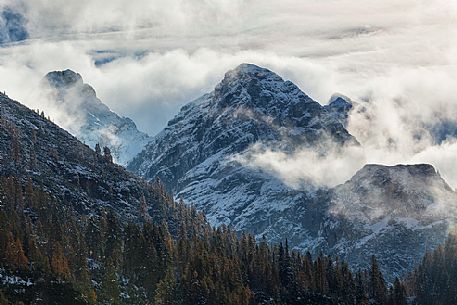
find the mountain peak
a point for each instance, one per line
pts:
(250, 69)
(63, 79)
(246, 72)
(416, 170)
(251, 104)
(392, 211)
(95, 123)
(340, 100)
(403, 190)
(339, 107)
(404, 176)
(263, 93)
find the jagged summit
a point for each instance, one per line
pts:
(68, 88)
(339, 108)
(250, 105)
(263, 94)
(63, 79)
(407, 177)
(400, 190)
(393, 212)
(248, 68)
(424, 170)
(246, 72)
(340, 103)
(266, 93)
(94, 121)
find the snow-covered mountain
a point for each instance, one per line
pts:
(91, 121)
(394, 212)
(194, 155)
(386, 211)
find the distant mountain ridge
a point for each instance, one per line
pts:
(93, 122)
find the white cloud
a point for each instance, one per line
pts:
(305, 166)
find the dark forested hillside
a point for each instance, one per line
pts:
(34, 149)
(77, 229)
(51, 255)
(434, 280)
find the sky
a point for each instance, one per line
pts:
(395, 59)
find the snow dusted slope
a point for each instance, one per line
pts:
(195, 155)
(339, 107)
(92, 121)
(392, 212)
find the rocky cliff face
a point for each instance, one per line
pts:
(92, 121)
(387, 211)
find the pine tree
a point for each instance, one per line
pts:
(3, 299)
(378, 290)
(398, 293)
(59, 262)
(98, 150)
(113, 238)
(144, 209)
(107, 154)
(109, 291)
(92, 297)
(14, 253)
(166, 293)
(38, 259)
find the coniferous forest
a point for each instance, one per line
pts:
(51, 256)
(98, 260)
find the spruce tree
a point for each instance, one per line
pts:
(378, 290)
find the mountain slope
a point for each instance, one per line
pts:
(32, 147)
(394, 212)
(193, 155)
(197, 156)
(92, 121)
